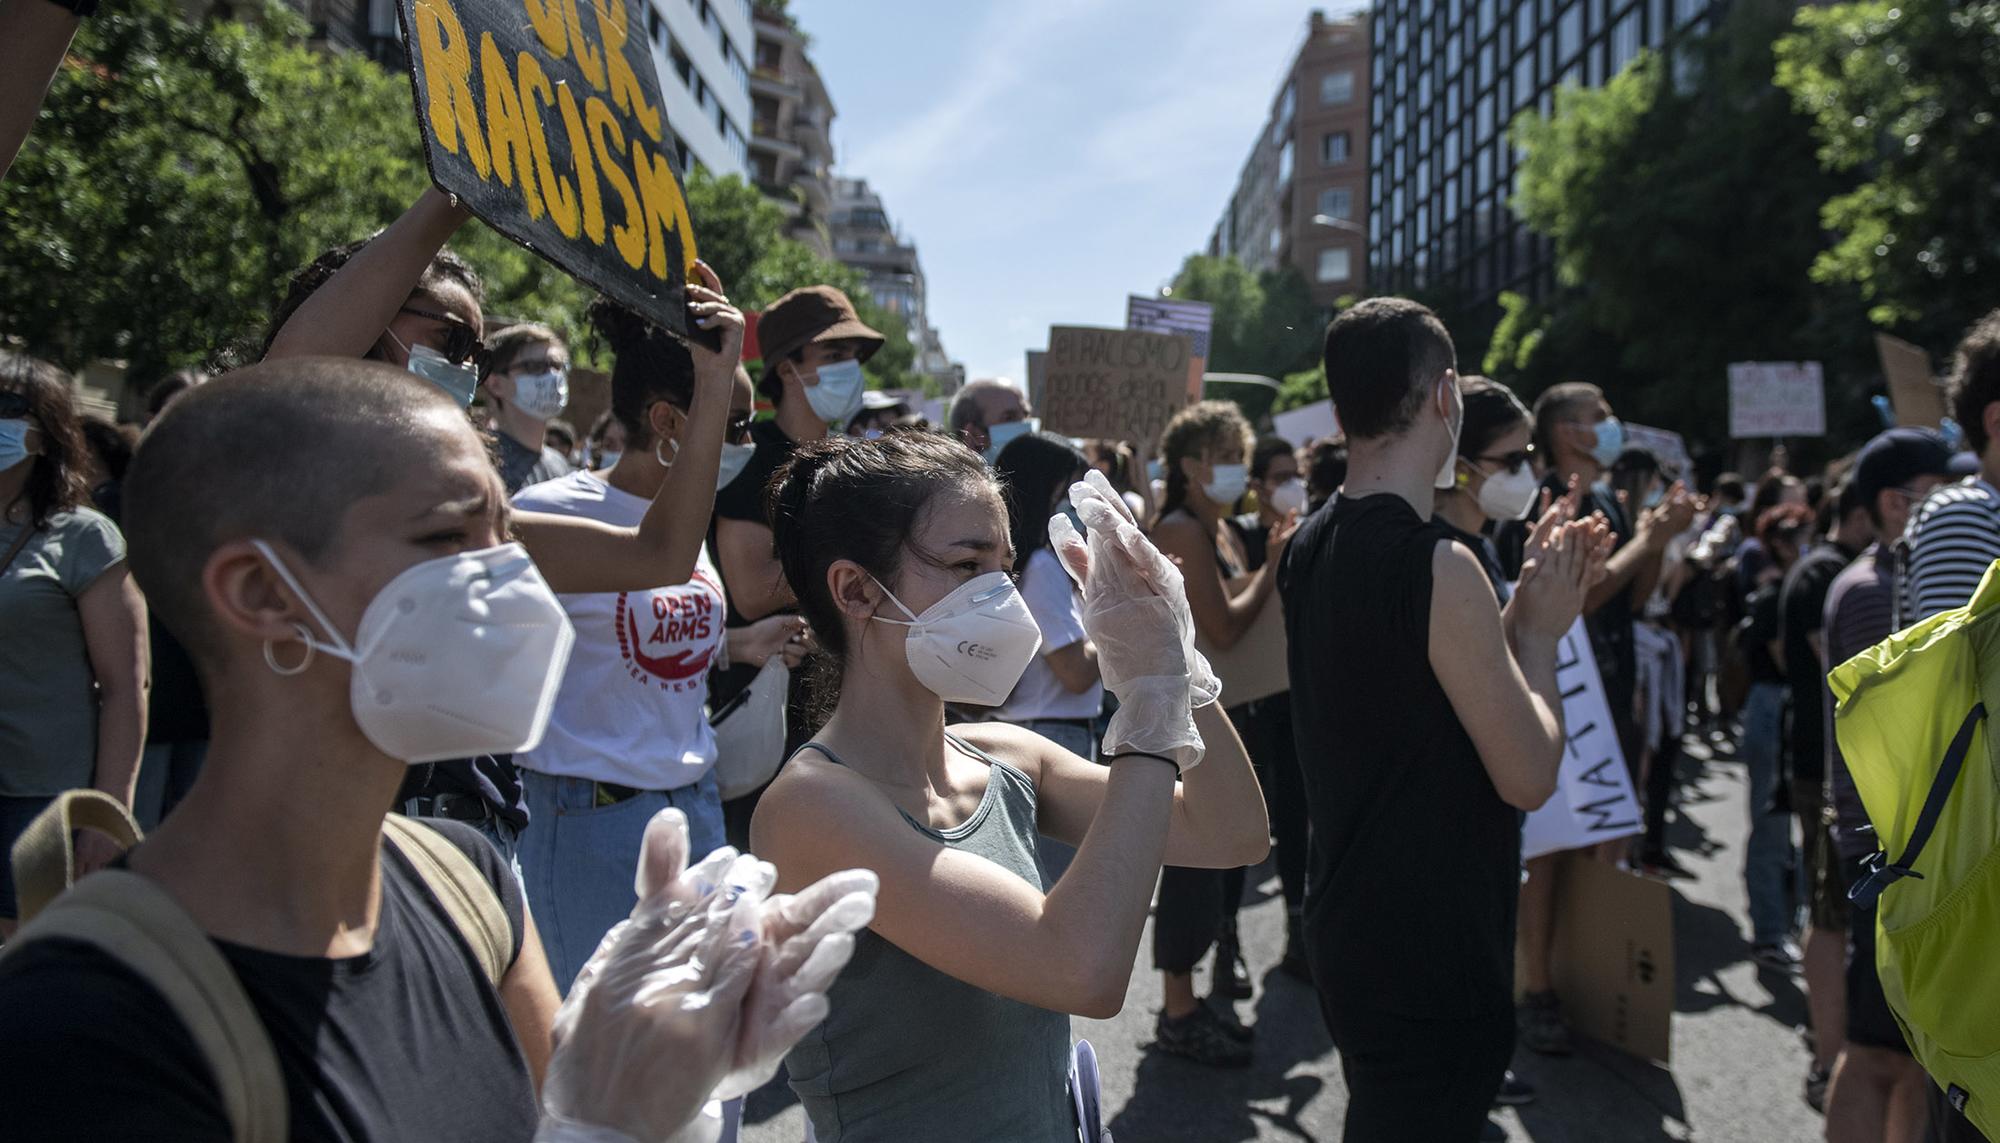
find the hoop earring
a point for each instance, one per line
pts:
(664, 461)
(271, 658)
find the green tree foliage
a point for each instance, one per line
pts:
(181, 171)
(1264, 323)
(741, 234)
(1907, 96)
(1686, 220)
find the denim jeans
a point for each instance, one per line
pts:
(579, 858)
(1768, 860)
(1078, 740)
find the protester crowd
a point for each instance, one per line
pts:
(379, 571)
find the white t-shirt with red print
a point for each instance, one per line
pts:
(630, 707)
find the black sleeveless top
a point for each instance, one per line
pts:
(1414, 859)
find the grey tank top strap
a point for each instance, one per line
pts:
(908, 1052)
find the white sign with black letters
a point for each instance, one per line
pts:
(1594, 800)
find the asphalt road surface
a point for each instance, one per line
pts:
(1738, 1058)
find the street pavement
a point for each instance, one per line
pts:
(1738, 1059)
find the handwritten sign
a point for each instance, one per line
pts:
(1115, 384)
(1670, 447)
(1593, 801)
(544, 118)
(1777, 399)
(1913, 391)
(1192, 320)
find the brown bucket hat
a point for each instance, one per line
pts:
(807, 315)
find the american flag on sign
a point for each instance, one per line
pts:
(1191, 320)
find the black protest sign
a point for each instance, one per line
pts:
(544, 118)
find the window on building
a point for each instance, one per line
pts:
(739, 73)
(1288, 104)
(770, 55)
(1336, 87)
(1335, 264)
(1277, 239)
(1337, 202)
(1482, 120)
(656, 28)
(1569, 32)
(1524, 26)
(1334, 148)
(1524, 74)
(1486, 10)
(682, 67)
(1624, 41)
(1686, 10)
(1285, 162)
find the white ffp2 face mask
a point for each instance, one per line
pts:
(1289, 497)
(457, 657)
(1509, 493)
(972, 645)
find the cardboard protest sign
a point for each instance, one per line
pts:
(1594, 800)
(1915, 393)
(1193, 320)
(543, 117)
(1613, 956)
(1113, 383)
(1037, 369)
(1256, 665)
(1777, 399)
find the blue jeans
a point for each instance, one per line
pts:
(1768, 860)
(1078, 740)
(579, 858)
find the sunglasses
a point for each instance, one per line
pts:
(13, 406)
(738, 429)
(461, 341)
(1512, 461)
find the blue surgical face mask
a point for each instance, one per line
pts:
(999, 436)
(735, 458)
(837, 397)
(1229, 484)
(1610, 441)
(13, 442)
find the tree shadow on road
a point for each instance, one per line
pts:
(1707, 941)
(1173, 1098)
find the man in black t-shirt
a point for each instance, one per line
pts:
(807, 331)
(1422, 734)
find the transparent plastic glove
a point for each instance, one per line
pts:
(1135, 611)
(651, 1024)
(808, 938)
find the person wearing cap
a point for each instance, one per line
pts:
(814, 346)
(879, 413)
(1874, 1078)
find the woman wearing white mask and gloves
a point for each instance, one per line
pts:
(1205, 452)
(954, 1022)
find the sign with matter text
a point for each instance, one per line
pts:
(1115, 384)
(1593, 801)
(543, 117)
(1777, 399)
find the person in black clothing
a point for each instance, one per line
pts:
(1427, 718)
(1577, 439)
(525, 375)
(1768, 868)
(809, 330)
(1801, 613)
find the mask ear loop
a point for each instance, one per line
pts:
(271, 657)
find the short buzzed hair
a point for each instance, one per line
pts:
(277, 451)
(1383, 357)
(1555, 405)
(503, 347)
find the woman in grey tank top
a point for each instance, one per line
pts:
(952, 1021)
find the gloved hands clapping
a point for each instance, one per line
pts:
(696, 996)
(1136, 612)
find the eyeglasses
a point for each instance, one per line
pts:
(461, 341)
(13, 406)
(1514, 460)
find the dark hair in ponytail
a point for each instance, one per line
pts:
(847, 498)
(649, 365)
(1032, 468)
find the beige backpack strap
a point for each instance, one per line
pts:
(135, 922)
(45, 856)
(463, 890)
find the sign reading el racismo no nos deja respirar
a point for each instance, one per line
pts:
(544, 118)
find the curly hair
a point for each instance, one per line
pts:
(55, 477)
(1196, 431)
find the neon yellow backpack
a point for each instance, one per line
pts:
(1911, 720)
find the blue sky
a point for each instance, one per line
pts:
(1048, 157)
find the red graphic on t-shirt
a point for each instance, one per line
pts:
(677, 639)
